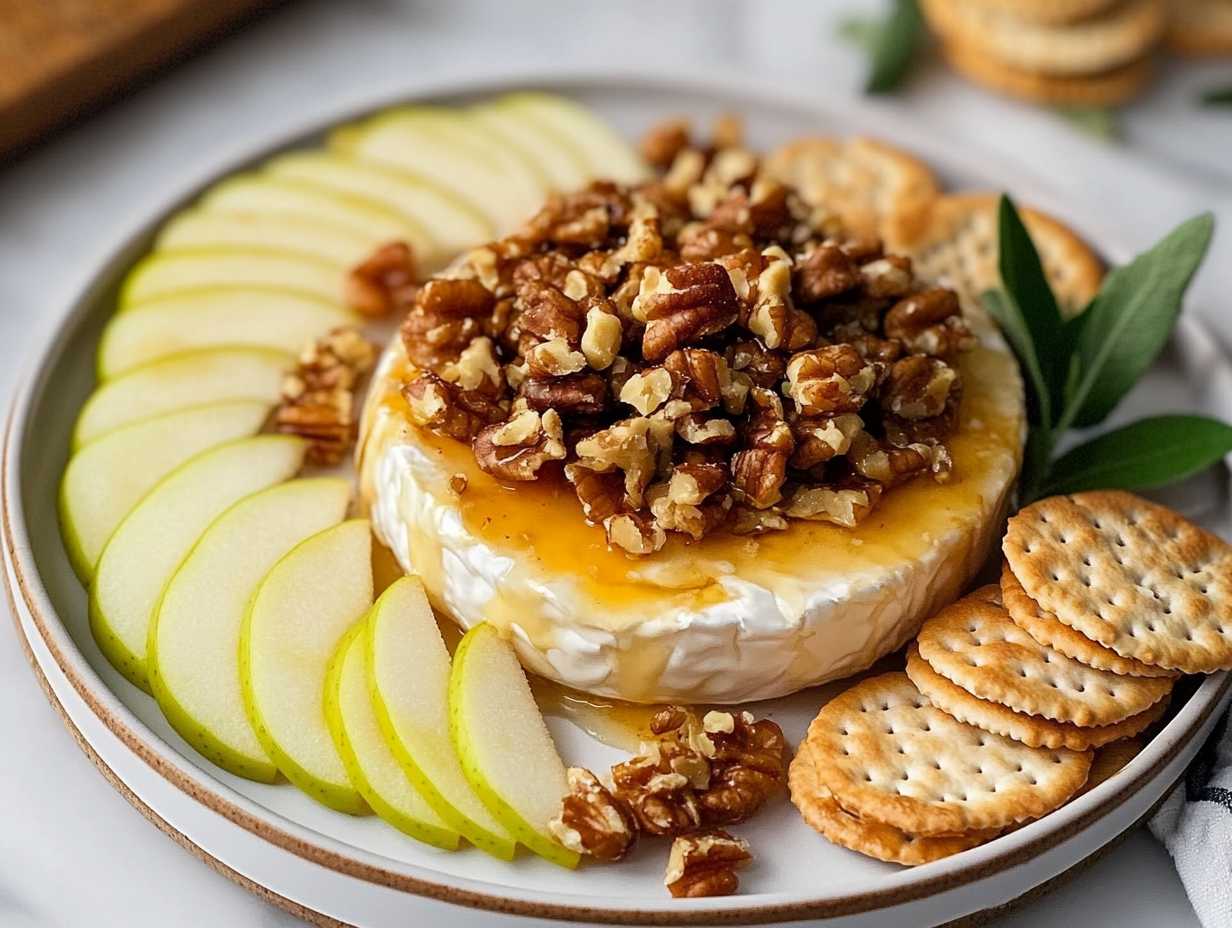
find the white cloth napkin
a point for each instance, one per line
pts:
(1195, 824)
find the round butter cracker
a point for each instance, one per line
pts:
(1129, 574)
(958, 247)
(1110, 88)
(1200, 28)
(1052, 12)
(1044, 627)
(887, 754)
(1032, 730)
(876, 839)
(976, 645)
(877, 190)
(1092, 46)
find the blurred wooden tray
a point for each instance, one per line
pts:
(59, 59)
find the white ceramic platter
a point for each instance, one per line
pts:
(334, 869)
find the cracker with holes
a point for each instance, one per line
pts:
(1131, 575)
(1045, 628)
(877, 191)
(822, 811)
(957, 247)
(1032, 730)
(976, 645)
(887, 754)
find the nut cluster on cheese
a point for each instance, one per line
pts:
(696, 351)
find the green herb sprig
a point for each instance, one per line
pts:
(892, 44)
(1077, 369)
(1219, 96)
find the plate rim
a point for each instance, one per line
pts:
(165, 760)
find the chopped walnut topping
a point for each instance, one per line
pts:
(919, 387)
(705, 864)
(668, 719)
(592, 821)
(318, 399)
(384, 283)
(457, 484)
(708, 318)
(659, 788)
(930, 322)
(517, 449)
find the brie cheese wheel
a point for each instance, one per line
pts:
(724, 620)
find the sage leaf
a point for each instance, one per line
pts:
(861, 31)
(1129, 320)
(1007, 314)
(1022, 277)
(894, 48)
(1220, 96)
(1144, 454)
(1097, 122)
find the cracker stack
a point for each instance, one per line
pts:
(1023, 694)
(1065, 52)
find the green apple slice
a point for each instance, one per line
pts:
(195, 379)
(306, 235)
(105, 479)
(300, 612)
(456, 224)
(152, 541)
(563, 162)
(373, 768)
(610, 156)
(506, 750)
(212, 318)
(408, 670)
(261, 194)
(457, 152)
(193, 648)
(169, 272)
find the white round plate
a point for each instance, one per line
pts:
(333, 869)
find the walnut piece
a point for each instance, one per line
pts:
(318, 399)
(660, 788)
(517, 449)
(705, 864)
(592, 821)
(384, 283)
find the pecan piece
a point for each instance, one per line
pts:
(443, 321)
(435, 404)
(891, 465)
(318, 399)
(684, 303)
(659, 788)
(820, 438)
(919, 387)
(886, 277)
(829, 381)
(635, 532)
(601, 495)
(759, 469)
(705, 864)
(678, 504)
(845, 502)
(663, 142)
(383, 283)
(930, 322)
(518, 449)
(746, 765)
(825, 272)
(627, 446)
(548, 314)
(573, 394)
(591, 821)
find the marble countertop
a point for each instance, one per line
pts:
(72, 851)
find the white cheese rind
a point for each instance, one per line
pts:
(758, 641)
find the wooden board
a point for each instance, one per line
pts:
(59, 59)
